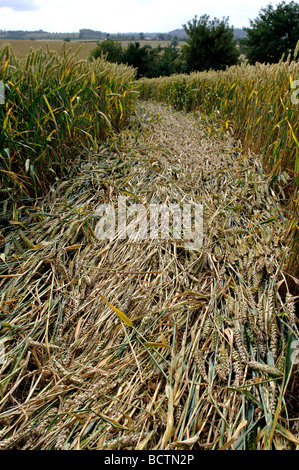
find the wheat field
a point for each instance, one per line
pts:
(146, 344)
(22, 47)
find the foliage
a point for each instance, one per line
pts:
(152, 62)
(139, 58)
(273, 33)
(148, 61)
(110, 49)
(56, 105)
(210, 44)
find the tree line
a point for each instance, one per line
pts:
(210, 44)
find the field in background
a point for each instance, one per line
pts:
(22, 47)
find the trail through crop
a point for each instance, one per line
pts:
(117, 344)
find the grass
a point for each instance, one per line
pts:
(56, 105)
(254, 103)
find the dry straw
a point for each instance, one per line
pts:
(259, 105)
(204, 361)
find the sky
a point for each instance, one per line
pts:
(122, 16)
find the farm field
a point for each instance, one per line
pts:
(127, 343)
(22, 47)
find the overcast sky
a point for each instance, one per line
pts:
(121, 15)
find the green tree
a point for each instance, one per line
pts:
(148, 61)
(110, 49)
(135, 56)
(144, 59)
(170, 60)
(273, 33)
(210, 44)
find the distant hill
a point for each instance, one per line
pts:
(239, 33)
(181, 34)
(91, 35)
